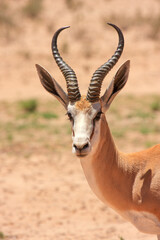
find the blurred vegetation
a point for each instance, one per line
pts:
(73, 4)
(134, 120)
(152, 22)
(33, 8)
(155, 104)
(2, 236)
(49, 115)
(29, 105)
(11, 19)
(121, 238)
(5, 17)
(7, 21)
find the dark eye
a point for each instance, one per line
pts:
(97, 117)
(70, 116)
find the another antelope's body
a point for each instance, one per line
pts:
(129, 183)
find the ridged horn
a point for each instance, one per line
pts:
(98, 76)
(70, 76)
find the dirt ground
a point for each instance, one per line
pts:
(43, 192)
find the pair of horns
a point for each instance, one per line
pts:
(98, 76)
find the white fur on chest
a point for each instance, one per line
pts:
(143, 221)
(91, 179)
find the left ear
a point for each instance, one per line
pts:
(50, 84)
(116, 85)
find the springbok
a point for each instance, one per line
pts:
(129, 183)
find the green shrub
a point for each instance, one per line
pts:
(29, 106)
(155, 105)
(49, 115)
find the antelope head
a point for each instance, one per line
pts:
(85, 113)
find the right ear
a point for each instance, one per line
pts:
(116, 85)
(50, 84)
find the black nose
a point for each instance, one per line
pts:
(80, 147)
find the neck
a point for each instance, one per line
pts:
(105, 150)
(103, 168)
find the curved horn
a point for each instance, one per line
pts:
(68, 73)
(101, 72)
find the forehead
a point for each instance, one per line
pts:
(83, 105)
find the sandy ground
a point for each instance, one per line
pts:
(45, 196)
(48, 198)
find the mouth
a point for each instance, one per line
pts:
(80, 155)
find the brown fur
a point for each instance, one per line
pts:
(127, 181)
(83, 104)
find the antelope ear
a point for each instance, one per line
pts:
(116, 85)
(50, 84)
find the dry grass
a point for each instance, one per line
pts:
(34, 121)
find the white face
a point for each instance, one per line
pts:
(85, 126)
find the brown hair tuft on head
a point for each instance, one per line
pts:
(83, 104)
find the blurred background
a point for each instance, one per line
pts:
(43, 193)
